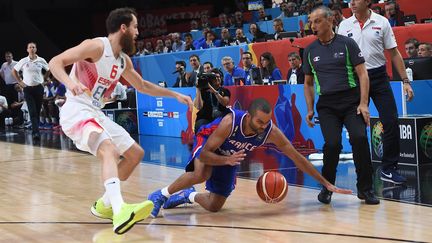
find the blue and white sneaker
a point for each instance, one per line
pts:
(158, 200)
(180, 198)
(391, 175)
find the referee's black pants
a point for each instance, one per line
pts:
(334, 111)
(382, 95)
(33, 95)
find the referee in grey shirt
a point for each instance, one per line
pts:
(373, 34)
(333, 62)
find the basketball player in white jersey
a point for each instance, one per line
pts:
(98, 64)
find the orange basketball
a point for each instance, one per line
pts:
(272, 187)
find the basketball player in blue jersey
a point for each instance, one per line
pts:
(222, 145)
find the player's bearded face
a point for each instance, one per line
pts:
(255, 127)
(127, 41)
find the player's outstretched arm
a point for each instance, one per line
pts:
(216, 139)
(90, 50)
(283, 144)
(146, 87)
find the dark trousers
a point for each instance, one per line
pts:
(382, 95)
(10, 93)
(337, 110)
(33, 95)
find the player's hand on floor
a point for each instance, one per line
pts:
(236, 158)
(335, 189)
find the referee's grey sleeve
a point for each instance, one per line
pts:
(307, 69)
(355, 55)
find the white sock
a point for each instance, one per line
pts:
(165, 192)
(112, 188)
(106, 200)
(192, 196)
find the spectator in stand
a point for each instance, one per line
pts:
(258, 35)
(238, 20)
(15, 107)
(425, 50)
(307, 28)
(159, 46)
(168, 46)
(148, 50)
(337, 16)
(307, 6)
(32, 83)
(6, 74)
(278, 28)
(205, 22)
(178, 44)
(393, 14)
(235, 75)
(118, 95)
(223, 21)
(248, 66)
(262, 15)
(269, 70)
(140, 51)
(46, 121)
(198, 43)
(295, 73)
(60, 94)
(181, 80)
(194, 25)
(288, 9)
(378, 10)
(211, 41)
(4, 111)
(411, 47)
(275, 3)
(240, 37)
(189, 42)
(197, 69)
(208, 66)
(226, 39)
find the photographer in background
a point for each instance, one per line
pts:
(211, 98)
(181, 80)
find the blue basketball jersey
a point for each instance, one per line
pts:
(237, 140)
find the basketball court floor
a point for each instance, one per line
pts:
(47, 189)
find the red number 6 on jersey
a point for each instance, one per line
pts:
(113, 72)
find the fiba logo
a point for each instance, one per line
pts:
(377, 145)
(426, 140)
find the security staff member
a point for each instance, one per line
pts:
(373, 34)
(332, 62)
(211, 101)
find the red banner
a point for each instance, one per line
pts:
(154, 23)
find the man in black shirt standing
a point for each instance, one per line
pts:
(211, 101)
(333, 63)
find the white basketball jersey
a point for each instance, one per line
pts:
(100, 77)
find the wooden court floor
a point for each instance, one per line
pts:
(46, 195)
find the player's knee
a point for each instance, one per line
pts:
(215, 207)
(107, 149)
